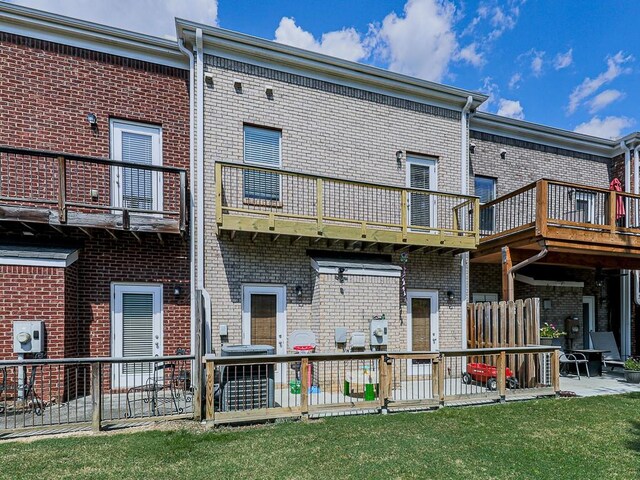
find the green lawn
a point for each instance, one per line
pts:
(589, 438)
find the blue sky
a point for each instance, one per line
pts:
(569, 64)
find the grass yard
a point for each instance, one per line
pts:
(578, 438)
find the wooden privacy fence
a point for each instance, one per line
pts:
(503, 324)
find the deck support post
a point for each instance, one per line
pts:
(502, 377)
(555, 371)
(507, 280)
(96, 396)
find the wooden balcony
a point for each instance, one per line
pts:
(264, 201)
(60, 190)
(578, 225)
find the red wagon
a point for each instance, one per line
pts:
(487, 374)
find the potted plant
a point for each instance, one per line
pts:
(632, 370)
(550, 334)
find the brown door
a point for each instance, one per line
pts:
(421, 324)
(263, 319)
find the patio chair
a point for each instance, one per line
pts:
(151, 389)
(606, 341)
(576, 359)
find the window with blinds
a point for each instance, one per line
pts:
(262, 148)
(421, 176)
(485, 188)
(137, 329)
(137, 190)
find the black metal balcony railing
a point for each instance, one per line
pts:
(64, 189)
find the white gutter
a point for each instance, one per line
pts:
(636, 190)
(189, 54)
(464, 190)
(625, 280)
(200, 190)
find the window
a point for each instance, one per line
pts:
(484, 297)
(421, 174)
(262, 148)
(133, 188)
(584, 207)
(485, 188)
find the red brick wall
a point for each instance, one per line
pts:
(47, 91)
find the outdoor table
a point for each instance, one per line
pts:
(594, 357)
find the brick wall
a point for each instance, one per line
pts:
(47, 91)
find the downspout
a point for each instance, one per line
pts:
(636, 190)
(625, 280)
(464, 190)
(206, 298)
(512, 271)
(192, 245)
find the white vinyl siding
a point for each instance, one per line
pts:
(262, 148)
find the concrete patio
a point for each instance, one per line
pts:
(611, 382)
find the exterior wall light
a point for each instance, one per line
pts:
(92, 119)
(399, 155)
(450, 297)
(299, 291)
(177, 290)
(503, 154)
(472, 148)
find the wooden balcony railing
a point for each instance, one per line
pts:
(279, 202)
(63, 189)
(551, 204)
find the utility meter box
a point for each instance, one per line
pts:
(28, 337)
(379, 328)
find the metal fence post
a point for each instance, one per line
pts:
(96, 396)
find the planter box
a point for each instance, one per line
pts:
(632, 376)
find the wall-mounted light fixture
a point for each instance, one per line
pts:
(92, 119)
(340, 275)
(269, 91)
(450, 297)
(399, 155)
(503, 154)
(177, 290)
(472, 148)
(208, 79)
(298, 291)
(237, 85)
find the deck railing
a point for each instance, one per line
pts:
(553, 203)
(74, 186)
(254, 388)
(48, 395)
(259, 199)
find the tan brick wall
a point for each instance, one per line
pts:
(332, 130)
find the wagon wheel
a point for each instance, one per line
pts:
(492, 384)
(466, 378)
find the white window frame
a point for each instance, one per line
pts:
(117, 289)
(261, 164)
(432, 163)
(435, 326)
(116, 128)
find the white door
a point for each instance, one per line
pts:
(422, 326)
(136, 189)
(422, 174)
(588, 319)
(136, 330)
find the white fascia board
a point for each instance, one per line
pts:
(91, 36)
(270, 54)
(547, 283)
(41, 262)
(536, 133)
(366, 272)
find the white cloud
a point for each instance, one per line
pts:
(471, 55)
(346, 43)
(604, 99)
(563, 60)
(490, 88)
(536, 62)
(154, 17)
(510, 109)
(421, 41)
(609, 127)
(504, 17)
(615, 68)
(514, 81)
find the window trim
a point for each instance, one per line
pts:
(244, 142)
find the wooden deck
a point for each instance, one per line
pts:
(273, 202)
(576, 224)
(60, 190)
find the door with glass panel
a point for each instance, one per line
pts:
(136, 189)
(136, 330)
(422, 207)
(422, 327)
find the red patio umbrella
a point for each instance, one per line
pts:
(615, 185)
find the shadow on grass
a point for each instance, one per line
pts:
(634, 442)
